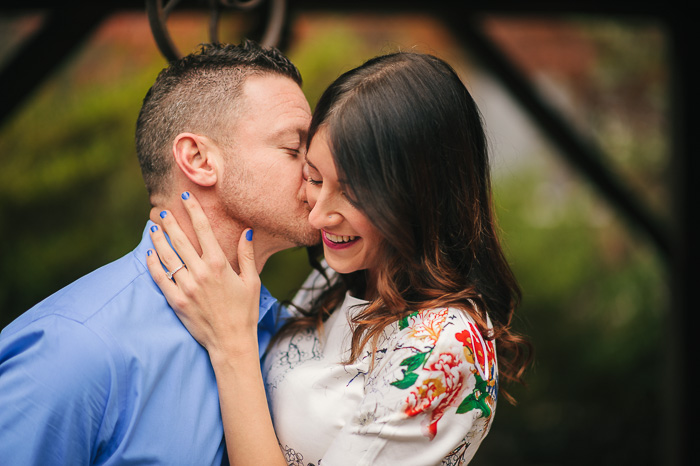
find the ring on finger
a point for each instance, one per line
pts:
(170, 274)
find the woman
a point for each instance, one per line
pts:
(393, 361)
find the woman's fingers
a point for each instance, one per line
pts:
(167, 286)
(246, 259)
(181, 243)
(167, 255)
(208, 242)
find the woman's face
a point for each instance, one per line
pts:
(350, 241)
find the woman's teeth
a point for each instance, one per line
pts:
(339, 239)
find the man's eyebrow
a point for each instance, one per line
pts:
(286, 132)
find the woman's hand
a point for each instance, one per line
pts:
(219, 307)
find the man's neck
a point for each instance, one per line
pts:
(226, 230)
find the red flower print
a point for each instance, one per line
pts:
(437, 392)
(482, 351)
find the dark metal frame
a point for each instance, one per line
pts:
(69, 24)
(158, 13)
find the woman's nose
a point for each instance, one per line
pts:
(322, 217)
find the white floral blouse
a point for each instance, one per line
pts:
(430, 398)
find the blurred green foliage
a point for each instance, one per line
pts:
(595, 293)
(72, 194)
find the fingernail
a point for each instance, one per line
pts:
(163, 214)
(149, 252)
(185, 195)
(249, 235)
(154, 228)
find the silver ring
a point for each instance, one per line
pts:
(170, 274)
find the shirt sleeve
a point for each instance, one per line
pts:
(58, 394)
(430, 398)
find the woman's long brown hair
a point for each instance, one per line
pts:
(407, 138)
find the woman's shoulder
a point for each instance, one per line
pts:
(445, 337)
(436, 366)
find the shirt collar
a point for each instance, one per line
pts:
(268, 305)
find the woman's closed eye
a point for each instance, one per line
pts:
(306, 174)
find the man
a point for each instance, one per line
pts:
(103, 372)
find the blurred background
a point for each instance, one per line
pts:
(596, 289)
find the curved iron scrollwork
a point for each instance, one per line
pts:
(159, 10)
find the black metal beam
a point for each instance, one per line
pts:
(536, 7)
(682, 31)
(583, 154)
(61, 31)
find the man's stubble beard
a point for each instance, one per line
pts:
(275, 220)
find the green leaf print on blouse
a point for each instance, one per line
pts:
(477, 399)
(412, 364)
(403, 323)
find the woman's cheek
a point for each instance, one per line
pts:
(311, 195)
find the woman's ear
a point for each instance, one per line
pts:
(197, 158)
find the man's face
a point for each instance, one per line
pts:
(262, 185)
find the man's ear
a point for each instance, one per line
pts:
(197, 157)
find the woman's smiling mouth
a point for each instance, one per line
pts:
(338, 241)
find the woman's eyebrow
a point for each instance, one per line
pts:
(306, 159)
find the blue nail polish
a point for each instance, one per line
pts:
(154, 228)
(249, 235)
(163, 214)
(185, 195)
(149, 252)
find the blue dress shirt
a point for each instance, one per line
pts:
(103, 372)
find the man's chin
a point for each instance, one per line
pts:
(299, 238)
(313, 238)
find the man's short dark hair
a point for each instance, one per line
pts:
(199, 93)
